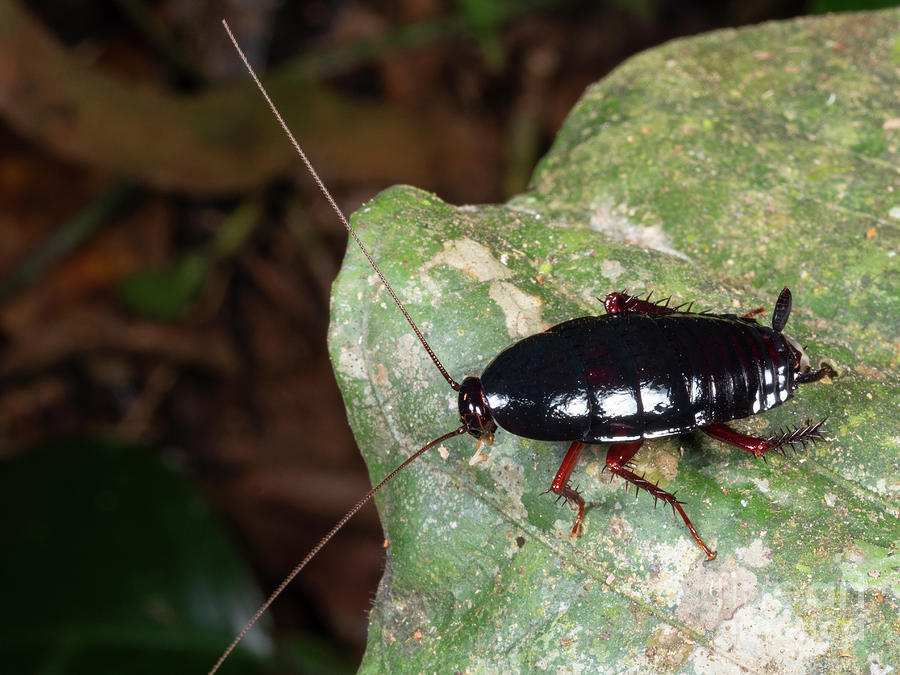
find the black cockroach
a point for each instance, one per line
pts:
(643, 370)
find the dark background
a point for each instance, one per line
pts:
(165, 263)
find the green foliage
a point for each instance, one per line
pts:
(716, 169)
(112, 564)
(166, 294)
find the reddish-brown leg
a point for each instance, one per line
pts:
(622, 302)
(724, 433)
(618, 302)
(617, 459)
(807, 433)
(561, 486)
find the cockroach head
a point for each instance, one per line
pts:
(474, 412)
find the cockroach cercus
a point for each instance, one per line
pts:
(643, 370)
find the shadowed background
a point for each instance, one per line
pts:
(165, 263)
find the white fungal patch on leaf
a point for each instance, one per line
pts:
(616, 223)
(612, 269)
(659, 460)
(878, 668)
(764, 637)
(470, 257)
(670, 564)
(867, 566)
(713, 594)
(522, 311)
(510, 477)
(351, 363)
(762, 484)
(756, 554)
(411, 359)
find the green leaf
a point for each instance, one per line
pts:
(716, 169)
(112, 564)
(234, 230)
(166, 294)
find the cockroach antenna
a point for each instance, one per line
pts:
(318, 547)
(340, 214)
(455, 385)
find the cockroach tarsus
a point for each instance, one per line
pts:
(643, 370)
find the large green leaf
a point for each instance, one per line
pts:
(716, 169)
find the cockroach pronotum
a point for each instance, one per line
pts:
(643, 370)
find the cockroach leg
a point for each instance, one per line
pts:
(724, 433)
(620, 301)
(618, 457)
(616, 303)
(806, 433)
(751, 314)
(561, 486)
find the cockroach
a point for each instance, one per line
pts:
(643, 370)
